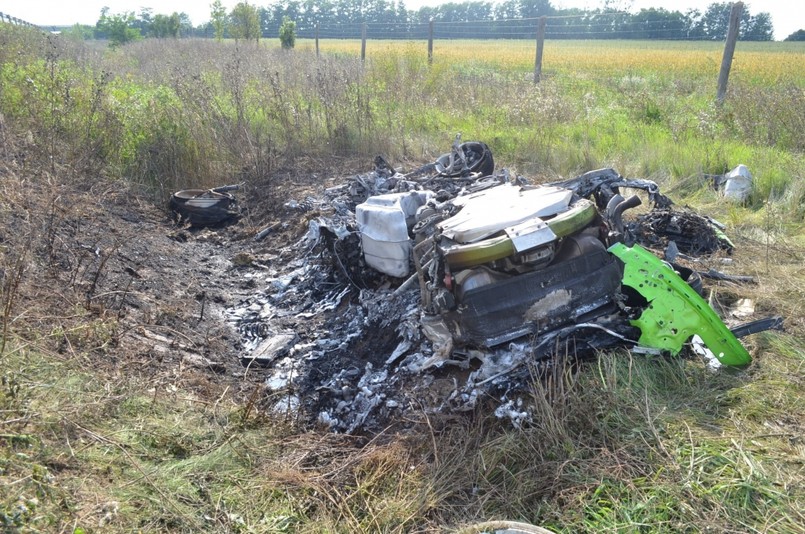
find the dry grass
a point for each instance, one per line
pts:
(95, 436)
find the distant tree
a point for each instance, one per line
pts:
(656, 23)
(245, 22)
(185, 25)
(268, 22)
(508, 9)
(758, 28)
(218, 19)
(205, 29)
(145, 20)
(695, 28)
(293, 9)
(165, 26)
(535, 8)
(714, 22)
(515, 9)
(377, 10)
(316, 12)
(119, 29)
(423, 14)
(348, 11)
(798, 35)
(80, 32)
(610, 21)
(287, 33)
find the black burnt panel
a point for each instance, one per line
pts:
(535, 302)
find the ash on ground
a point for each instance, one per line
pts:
(344, 345)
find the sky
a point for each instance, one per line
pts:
(787, 16)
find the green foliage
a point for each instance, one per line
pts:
(118, 29)
(713, 24)
(488, 18)
(218, 19)
(244, 22)
(81, 32)
(166, 26)
(287, 33)
(798, 35)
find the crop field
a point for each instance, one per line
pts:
(106, 427)
(761, 63)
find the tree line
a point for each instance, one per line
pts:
(500, 19)
(392, 19)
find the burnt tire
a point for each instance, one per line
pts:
(478, 159)
(203, 207)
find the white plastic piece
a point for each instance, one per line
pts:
(737, 183)
(697, 343)
(383, 222)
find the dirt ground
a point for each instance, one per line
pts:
(112, 276)
(115, 277)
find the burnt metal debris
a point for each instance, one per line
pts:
(449, 286)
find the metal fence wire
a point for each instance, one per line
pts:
(613, 25)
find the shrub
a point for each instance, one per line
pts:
(287, 33)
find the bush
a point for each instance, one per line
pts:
(287, 33)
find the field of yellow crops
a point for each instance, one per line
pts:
(772, 62)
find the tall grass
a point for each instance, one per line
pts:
(197, 112)
(630, 445)
(621, 444)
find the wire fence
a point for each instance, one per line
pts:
(532, 33)
(611, 25)
(8, 19)
(614, 25)
(526, 34)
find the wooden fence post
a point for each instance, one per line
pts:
(363, 43)
(729, 50)
(430, 42)
(540, 46)
(317, 40)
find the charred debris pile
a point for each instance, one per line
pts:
(451, 285)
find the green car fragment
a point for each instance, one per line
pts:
(675, 312)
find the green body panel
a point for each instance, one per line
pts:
(675, 311)
(463, 256)
(574, 219)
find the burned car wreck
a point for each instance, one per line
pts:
(444, 287)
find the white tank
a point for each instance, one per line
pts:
(383, 222)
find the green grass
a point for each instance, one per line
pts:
(645, 446)
(626, 444)
(169, 123)
(622, 444)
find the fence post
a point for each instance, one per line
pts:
(363, 42)
(540, 46)
(430, 42)
(317, 40)
(729, 50)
